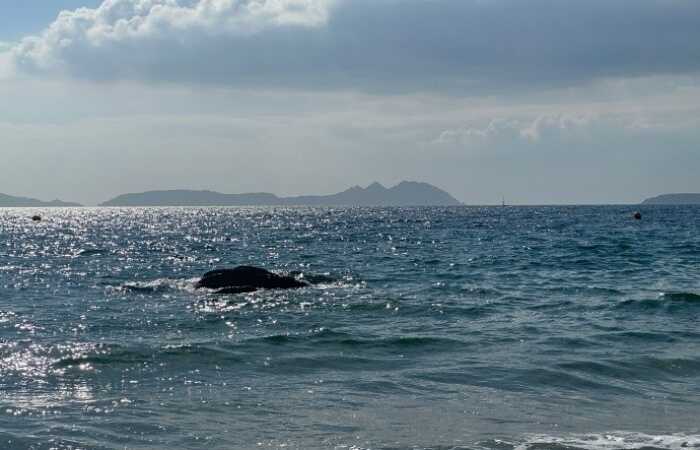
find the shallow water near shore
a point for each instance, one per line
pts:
(424, 328)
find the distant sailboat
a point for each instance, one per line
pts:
(503, 202)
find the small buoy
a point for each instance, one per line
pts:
(36, 218)
(637, 215)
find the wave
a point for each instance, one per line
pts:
(632, 336)
(158, 285)
(333, 338)
(320, 348)
(29, 360)
(91, 252)
(617, 440)
(670, 301)
(636, 369)
(681, 297)
(314, 278)
(506, 379)
(473, 311)
(111, 355)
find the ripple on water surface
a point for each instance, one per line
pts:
(478, 328)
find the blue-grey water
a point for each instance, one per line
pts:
(425, 328)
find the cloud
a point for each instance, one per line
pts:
(496, 129)
(634, 121)
(557, 125)
(6, 62)
(142, 32)
(378, 45)
(129, 137)
(545, 126)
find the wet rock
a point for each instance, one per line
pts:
(246, 279)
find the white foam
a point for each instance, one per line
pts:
(161, 284)
(617, 440)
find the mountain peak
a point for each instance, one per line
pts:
(376, 186)
(404, 194)
(9, 201)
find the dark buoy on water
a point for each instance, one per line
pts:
(36, 218)
(637, 215)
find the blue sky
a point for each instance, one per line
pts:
(544, 101)
(22, 17)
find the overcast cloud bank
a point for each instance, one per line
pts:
(377, 45)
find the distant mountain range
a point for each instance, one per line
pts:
(406, 193)
(674, 199)
(8, 201)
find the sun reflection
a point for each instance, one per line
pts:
(33, 362)
(49, 399)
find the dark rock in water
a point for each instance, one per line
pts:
(246, 279)
(36, 218)
(637, 216)
(237, 290)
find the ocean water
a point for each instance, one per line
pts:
(425, 328)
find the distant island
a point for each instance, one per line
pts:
(8, 201)
(406, 193)
(674, 199)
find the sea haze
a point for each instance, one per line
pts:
(424, 328)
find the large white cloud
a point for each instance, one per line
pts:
(152, 27)
(373, 45)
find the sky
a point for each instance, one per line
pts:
(538, 101)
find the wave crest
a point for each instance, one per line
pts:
(158, 285)
(612, 441)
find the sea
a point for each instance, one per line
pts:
(499, 328)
